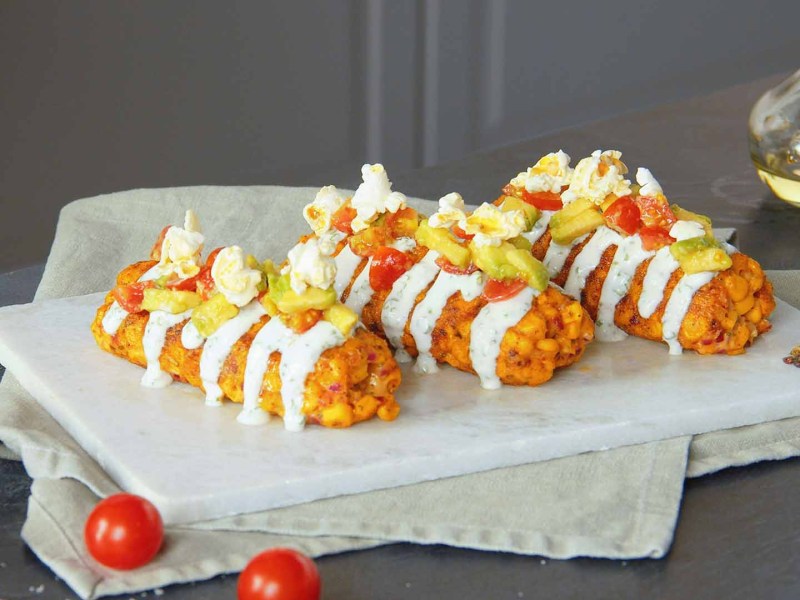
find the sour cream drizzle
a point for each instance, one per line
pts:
(427, 312)
(629, 255)
(488, 330)
(347, 262)
(400, 301)
(557, 255)
(678, 304)
(190, 337)
(218, 346)
(655, 281)
(361, 291)
(588, 259)
(115, 314)
(155, 334)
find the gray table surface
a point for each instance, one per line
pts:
(737, 536)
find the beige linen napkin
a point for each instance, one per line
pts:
(618, 504)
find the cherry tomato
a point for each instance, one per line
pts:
(279, 574)
(185, 285)
(402, 223)
(499, 289)
(343, 218)
(123, 532)
(205, 283)
(155, 251)
(461, 233)
(542, 200)
(654, 238)
(655, 212)
(212, 257)
(449, 267)
(130, 297)
(388, 264)
(623, 215)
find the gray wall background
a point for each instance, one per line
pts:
(99, 96)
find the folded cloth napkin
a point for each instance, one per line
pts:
(621, 503)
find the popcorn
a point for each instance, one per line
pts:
(648, 184)
(550, 174)
(319, 213)
(233, 278)
(491, 226)
(310, 265)
(374, 197)
(597, 176)
(181, 248)
(451, 211)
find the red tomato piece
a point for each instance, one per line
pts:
(449, 267)
(388, 264)
(343, 218)
(458, 232)
(185, 285)
(205, 283)
(155, 251)
(402, 223)
(279, 574)
(654, 238)
(212, 257)
(542, 200)
(123, 532)
(655, 212)
(623, 215)
(499, 289)
(130, 297)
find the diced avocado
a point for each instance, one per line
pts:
(278, 285)
(531, 212)
(520, 242)
(565, 230)
(529, 269)
(171, 301)
(269, 305)
(252, 262)
(212, 314)
(313, 298)
(341, 317)
(442, 241)
(680, 250)
(707, 259)
(573, 209)
(493, 260)
(686, 215)
(269, 268)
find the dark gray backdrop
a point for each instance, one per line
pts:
(99, 96)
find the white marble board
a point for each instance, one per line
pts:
(196, 462)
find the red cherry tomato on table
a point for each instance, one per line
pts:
(130, 297)
(343, 218)
(388, 264)
(623, 215)
(123, 532)
(279, 574)
(497, 290)
(655, 212)
(654, 238)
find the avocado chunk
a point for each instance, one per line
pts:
(521, 242)
(573, 209)
(212, 314)
(313, 298)
(442, 241)
(507, 262)
(564, 228)
(699, 254)
(341, 317)
(530, 212)
(686, 215)
(171, 301)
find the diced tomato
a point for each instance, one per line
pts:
(205, 283)
(155, 251)
(655, 212)
(449, 267)
(130, 296)
(498, 289)
(542, 200)
(623, 216)
(366, 242)
(461, 233)
(402, 223)
(212, 257)
(343, 218)
(388, 264)
(302, 321)
(184, 285)
(654, 238)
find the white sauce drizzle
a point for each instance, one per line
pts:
(155, 334)
(629, 255)
(588, 259)
(430, 309)
(347, 262)
(300, 353)
(538, 229)
(115, 314)
(218, 347)
(678, 305)
(190, 337)
(488, 330)
(557, 255)
(400, 302)
(361, 292)
(655, 281)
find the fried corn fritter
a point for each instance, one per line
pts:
(350, 383)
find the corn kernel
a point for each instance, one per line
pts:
(754, 315)
(756, 283)
(737, 287)
(365, 407)
(389, 411)
(743, 306)
(573, 330)
(547, 345)
(339, 415)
